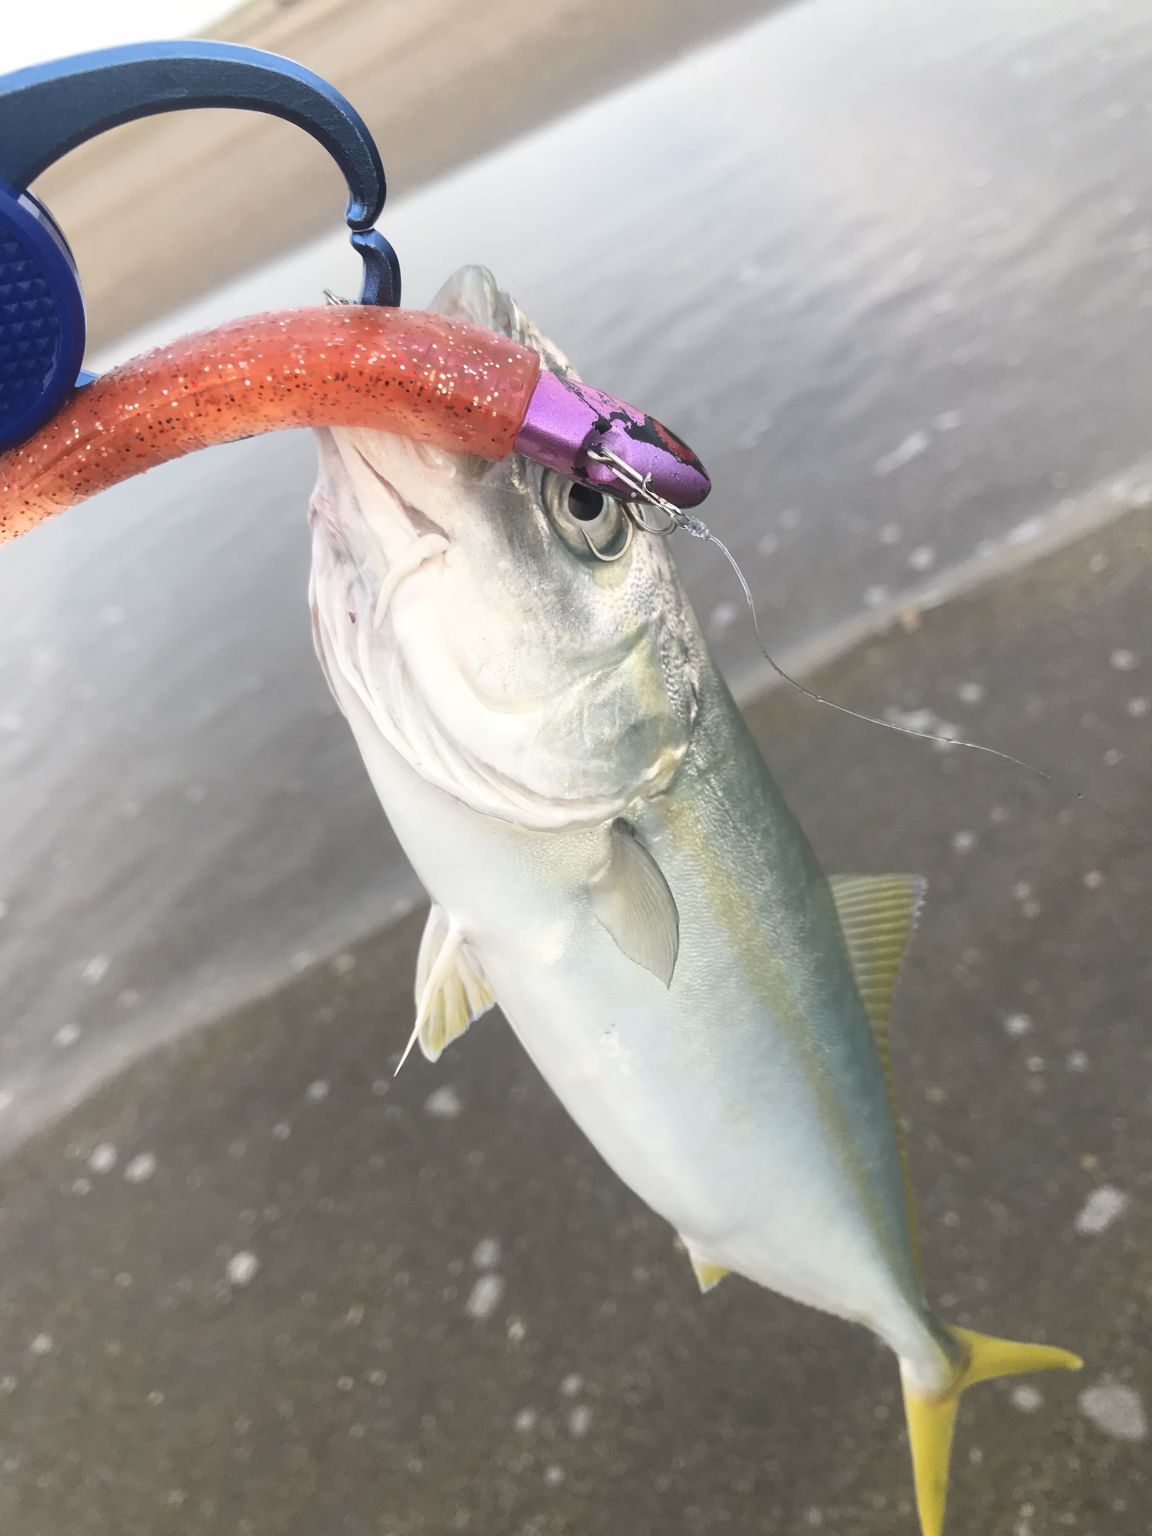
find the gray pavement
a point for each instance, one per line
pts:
(255, 1287)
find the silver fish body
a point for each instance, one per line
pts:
(529, 714)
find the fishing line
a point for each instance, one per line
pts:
(680, 521)
(698, 530)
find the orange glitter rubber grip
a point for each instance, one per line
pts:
(420, 375)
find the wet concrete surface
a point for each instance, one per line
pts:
(254, 1286)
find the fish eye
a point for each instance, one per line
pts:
(584, 503)
(589, 521)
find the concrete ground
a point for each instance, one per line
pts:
(254, 1286)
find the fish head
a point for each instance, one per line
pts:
(503, 630)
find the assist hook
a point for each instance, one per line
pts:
(49, 109)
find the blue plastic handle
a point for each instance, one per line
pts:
(51, 108)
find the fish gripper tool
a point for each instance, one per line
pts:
(49, 109)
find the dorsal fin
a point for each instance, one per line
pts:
(877, 916)
(451, 989)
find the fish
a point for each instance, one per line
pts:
(610, 861)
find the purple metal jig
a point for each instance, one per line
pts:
(567, 424)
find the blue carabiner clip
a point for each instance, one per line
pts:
(51, 108)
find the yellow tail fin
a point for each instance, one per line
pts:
(931, 1418)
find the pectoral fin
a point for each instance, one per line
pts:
(451, 989)
(632, 899)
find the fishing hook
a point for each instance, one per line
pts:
(630, 525)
